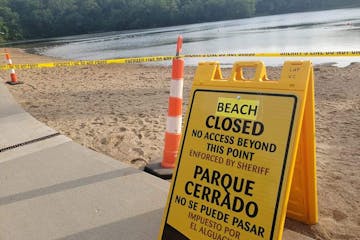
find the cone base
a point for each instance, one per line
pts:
(14, 83)
(157, 170)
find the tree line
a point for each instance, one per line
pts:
(27, 19)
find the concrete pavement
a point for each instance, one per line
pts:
(70, 192)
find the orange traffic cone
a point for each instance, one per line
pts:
(13, 76)
(174, 120)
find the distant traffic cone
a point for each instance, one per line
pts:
(174, 120)
(13, 76)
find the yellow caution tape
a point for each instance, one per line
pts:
(284, 54)
(167, 58)
(86, 62)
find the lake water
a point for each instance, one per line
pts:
(334, 30)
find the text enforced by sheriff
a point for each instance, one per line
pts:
(231, 166)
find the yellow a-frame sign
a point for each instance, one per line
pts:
(247, 155)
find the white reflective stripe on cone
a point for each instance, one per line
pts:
(176, 88)
(173, 124)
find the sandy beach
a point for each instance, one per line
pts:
(120, 110)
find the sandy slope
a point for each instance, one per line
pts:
(120, 110)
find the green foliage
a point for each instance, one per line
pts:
(51, 18)
(10, 28)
